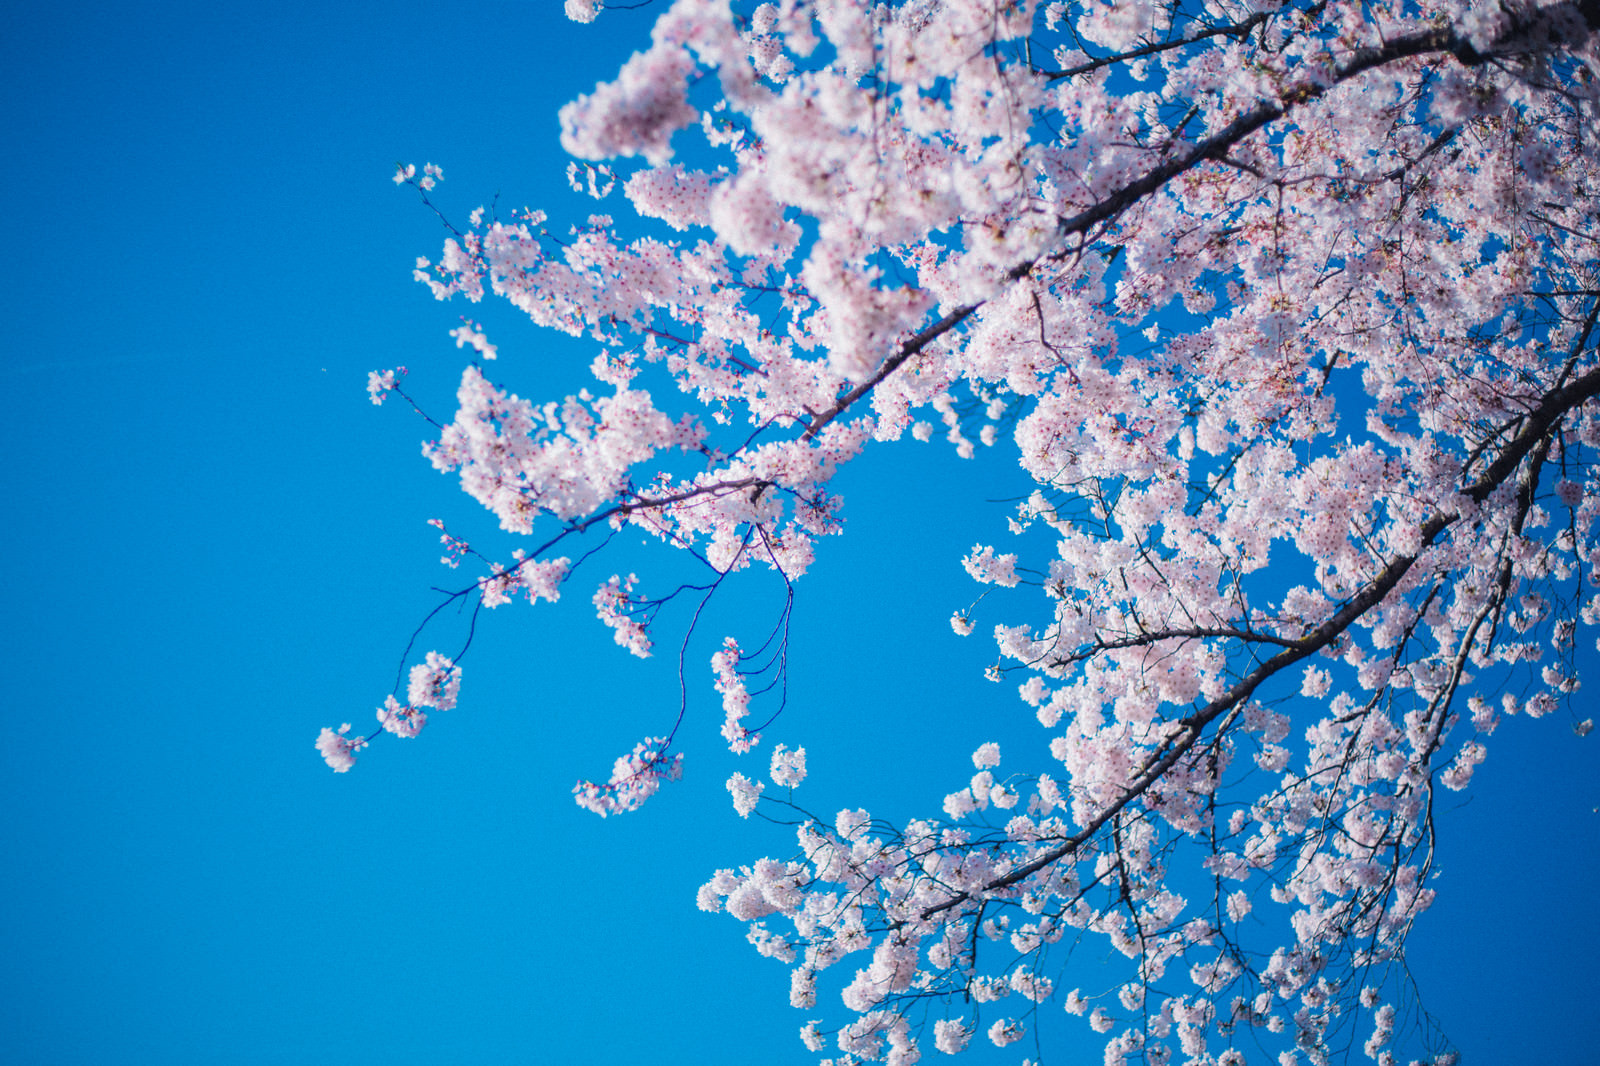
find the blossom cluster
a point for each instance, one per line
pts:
(616, 608)
(382, 382)
(788, 767)
(433, 683)
(634, 778)
(735, 697)
(339, 750)
(1287, 311)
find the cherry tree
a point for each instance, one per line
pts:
(1289, 313)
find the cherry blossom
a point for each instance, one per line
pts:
(635, 777)
(1289, 313)
(338, 750)
(788, 767)
(745, 794)
(382, 382)
(435, 682)
(400, 720)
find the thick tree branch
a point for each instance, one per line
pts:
(1214, 147)
(1555, 406)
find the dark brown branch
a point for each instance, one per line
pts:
(1238, 30)
(1214, 147)
(1555, 406)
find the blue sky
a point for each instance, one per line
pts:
(214, 546)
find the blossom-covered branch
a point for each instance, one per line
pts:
(1287, 313)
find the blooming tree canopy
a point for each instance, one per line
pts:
(1289, 312)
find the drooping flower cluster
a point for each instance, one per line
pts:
(402, 721)
(745, 793)
(534, 579)
(339, 750)
(435, 682)
(471, 334)
(615, 606)
(382, 382)
(735, 697)
(406, 174)
(788, 767)
(634, 778)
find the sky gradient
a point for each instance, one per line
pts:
(214, 546)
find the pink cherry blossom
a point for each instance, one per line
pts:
(1286, 315)
(745, 794)
(788, 767)
(634, 778)
(338, 750)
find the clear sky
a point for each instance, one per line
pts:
(214, 546)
